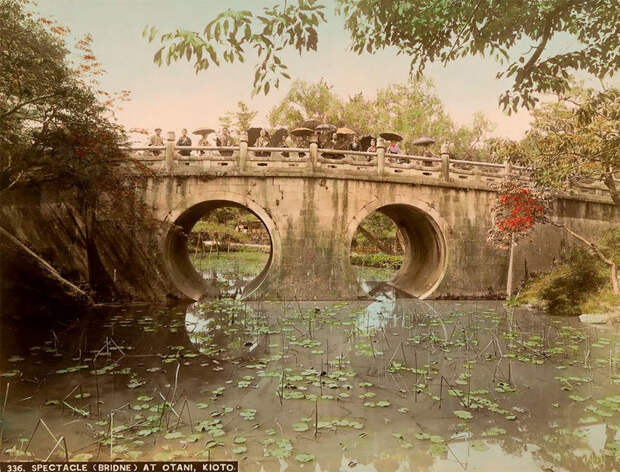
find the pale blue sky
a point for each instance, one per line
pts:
(175, 97)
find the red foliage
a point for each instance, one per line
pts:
(517, 211)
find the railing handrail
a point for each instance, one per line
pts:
(314, 160)
(478, 163)
(278, 149)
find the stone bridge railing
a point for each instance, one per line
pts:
(313, 161)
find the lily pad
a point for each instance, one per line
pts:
(303, 458)
(464, 415)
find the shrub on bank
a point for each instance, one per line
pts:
(579, 283)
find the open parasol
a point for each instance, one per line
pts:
(326, 127)
(301, 131)
(203, 131)
(424, 141)
(345, 130)
(391, 136)
(365, 142)
(277, 139)
(253, 134)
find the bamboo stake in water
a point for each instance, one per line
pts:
(6, 397)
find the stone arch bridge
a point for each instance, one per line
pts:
(312, 200)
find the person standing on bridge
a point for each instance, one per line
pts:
(262, 141)
(184, 140)
(393, 148)
(156, 140)
(373, 146)
(225, 140)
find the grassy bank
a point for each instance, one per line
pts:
(378, 260)
(579, 283)
(377, 266)
(246, 262)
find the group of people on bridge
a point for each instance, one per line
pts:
(329, 138)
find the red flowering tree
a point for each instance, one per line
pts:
(517, 211)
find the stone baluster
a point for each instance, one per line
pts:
(243, 150)
(445, 162)
(380, 156)
(170, 151)
(507, 169)
(314, 151)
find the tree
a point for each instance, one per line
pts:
(305, 101)
(574, 138)
(240, 120)
(55, 125)
(518, 210)
(427, 32)
(412, 109)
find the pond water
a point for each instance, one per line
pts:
(384, 385)
(227, 273)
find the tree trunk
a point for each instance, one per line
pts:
(367, 234)
(511, 256)
(615, 285)
(609, 181)
(68, 287)
(401, 240)
(613, 269)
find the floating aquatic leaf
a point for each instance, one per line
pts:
(479, 446)
(282, 449)
(239, 450)
(588, 419)
(577, 398)
(464, 415)
(135, 382)
(300, 427)
(248, 414)
(437, 449)
(304, 458)
(174, 435)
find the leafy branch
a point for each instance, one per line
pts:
(229, 36)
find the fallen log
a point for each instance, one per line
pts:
(68, 287)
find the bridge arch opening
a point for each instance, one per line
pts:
(220, 249)
(413, 260)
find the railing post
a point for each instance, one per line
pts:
(380, 156)
(507, 169)
(170, 151)
(314, 151)
(243, 150)
(445, 162)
